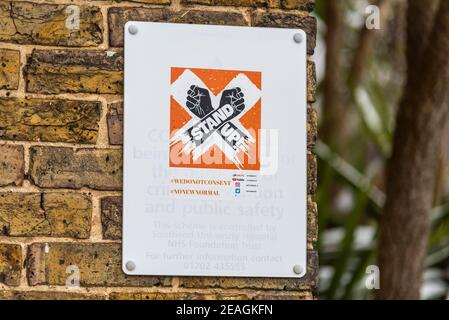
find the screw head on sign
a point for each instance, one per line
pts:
(130, 266)
(297, 269)
(298, 37)
(133, 29)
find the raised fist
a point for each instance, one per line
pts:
(233, 97)
(198, 101)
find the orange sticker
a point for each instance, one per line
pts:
(215, 119)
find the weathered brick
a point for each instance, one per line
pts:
(274, 4)
(9, 68)
(206, 2)
(312, 223)
(111, 217)
(308, 282)
(49, 120)
(153, 1)
(50, 24)
(307, 5)
(45, 214)
(288, 20)
(10, 264)
(115, 123)
(99, 169)
(11, 165)
(237, 3)
(205, 295)
(87, 71)
(301, 295)
(69, 214)
(21, 214)
(312, 165)
(161, 2)
(176, 296)
(311, 82)
(119, 16)
(49, 295)
(243, 3)
(312, 127)
(99, 265)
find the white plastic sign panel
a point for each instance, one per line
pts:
(215, 156)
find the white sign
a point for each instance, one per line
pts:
(215, 151)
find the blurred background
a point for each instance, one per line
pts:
(362, 74)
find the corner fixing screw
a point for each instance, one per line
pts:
(298, 38)
(130, 266)
(132, 29)
(297, 269)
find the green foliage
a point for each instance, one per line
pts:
(351, 182)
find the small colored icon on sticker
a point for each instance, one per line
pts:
(237, 190)
(237, 184)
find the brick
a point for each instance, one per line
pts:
(243, 3)
(86, 71)
(175, 296)
(99, 169)
(302, 295)
(311, 82)
(21, 214)
(10, 264)
(308, 282)
(115, 123)
(49, 295)
(204, 295)
(205, 2)
(306, 5)
(47, 24)
(49, 120)
(119, 16)
(111, 218)
(288, 20)
(312, 221)
(160, 2)
(45, 214)
(312, 173)
(153, 1)
(99, 265)
(274, 3)
(69, 214)
(10, 68)
(11, 165)
(312, 127)
(237, 3)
